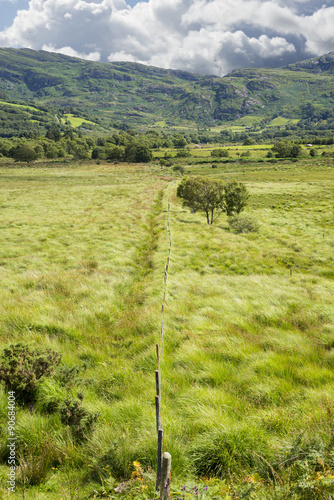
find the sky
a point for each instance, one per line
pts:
(201, 36)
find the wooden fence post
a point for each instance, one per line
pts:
(159, 459)
(157, 382)
(165, 476)
(157, 412)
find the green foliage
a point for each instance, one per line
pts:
(204, 195)
(78, 93)
(112, 153)
(286, 149)
(179, 141)
(25, 152)
(183, 153)
(138, 153)
(69, 375)
(179, 168)
(235, 197)
(212, 197)
(243, 224)
(54, 133)
(80, 420)
(98, 153)
(22, 367)
(249, 141)
(220, 153)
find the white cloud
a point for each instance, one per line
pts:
(318, 31)
(211, 36)
(68, 51)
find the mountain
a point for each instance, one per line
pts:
(40, 87)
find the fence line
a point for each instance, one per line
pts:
(162, 469)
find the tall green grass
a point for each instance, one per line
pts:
(247, 366)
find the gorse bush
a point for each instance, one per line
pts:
(69, 375)
(79, 419)
(21, 368)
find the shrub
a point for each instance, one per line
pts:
(25, 152)
(179, 168)
(21, 368)
(69, 375)
(243, 224)
(286, 149)
(220, 153)
(79, 419)
(183, 154)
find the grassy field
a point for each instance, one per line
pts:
(247, 366)
(75, 121)
(24, 107)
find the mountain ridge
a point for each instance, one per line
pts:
(146, 96)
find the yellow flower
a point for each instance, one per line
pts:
(138, 473)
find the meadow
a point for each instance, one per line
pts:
(247, 369)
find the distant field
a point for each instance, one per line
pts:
(22, 106)
(75, 121)
(248, 361)
(281, 121)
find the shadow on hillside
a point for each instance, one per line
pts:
(188, 221)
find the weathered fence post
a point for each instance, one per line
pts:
(159, 459)
(157, 412)
(165, 475)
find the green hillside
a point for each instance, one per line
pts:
(103, 95)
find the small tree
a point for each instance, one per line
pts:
(212, 196)
(286, 149)
(249, 141)
(114, 153)
(25, 152)
(201, 194)
(138, 153)
(235, 198)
